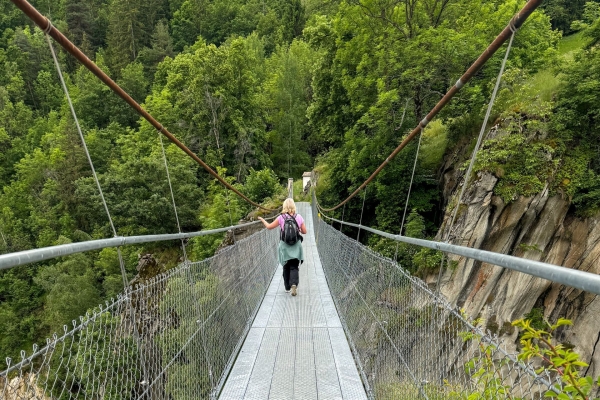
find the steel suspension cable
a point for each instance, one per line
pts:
(126, 288)
(44, 24)
(412, 177)
(87, 154)
(476, 150)
(362, 210)
(230, 217)
(515, 23)
(162, 146)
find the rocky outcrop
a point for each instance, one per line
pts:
(240, 233)
(538, 228)
(22, 388)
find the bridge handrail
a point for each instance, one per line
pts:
(46, 253)
(571, 277)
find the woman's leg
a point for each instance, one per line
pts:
(294, 278)
(286, 275)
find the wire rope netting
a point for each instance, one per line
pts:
(409, 341)
(174, 336)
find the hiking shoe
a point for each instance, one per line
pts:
(287, 291)
(293, 290)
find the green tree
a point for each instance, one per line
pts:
(15, 119)
(576, 123)
(71, 287)
(28, 50)
(135, 83)
(261, 184)
(48, 92)
(79, 20)
(137, 192)
(130, 26)
(276, 22)
(221, 208)
(287, 94)
(20, 317)
(210, 98)
(161, 47)
(563, 12)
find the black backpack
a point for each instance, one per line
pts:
(290, 233)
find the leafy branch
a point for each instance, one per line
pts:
(540, 343)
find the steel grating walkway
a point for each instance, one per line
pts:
(296, 347)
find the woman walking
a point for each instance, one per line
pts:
(290, 256)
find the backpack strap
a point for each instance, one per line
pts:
(295, 222)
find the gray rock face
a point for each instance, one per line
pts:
(538, 228)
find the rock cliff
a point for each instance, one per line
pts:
(539, 228)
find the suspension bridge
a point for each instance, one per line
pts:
(361, 326)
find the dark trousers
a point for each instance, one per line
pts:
(291, 274)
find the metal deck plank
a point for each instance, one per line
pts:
(237, 382)
(352, 387)
(277, 313)
(282, 384)
(290, 309)
(305, 379)
(328, 383)
(276, 282)
(264, 312)
(259, 383)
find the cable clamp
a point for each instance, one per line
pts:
(161, 130)
(459, 84)
(48, 28)
(424, 122)
(511, 26)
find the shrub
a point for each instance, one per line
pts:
(261, 184)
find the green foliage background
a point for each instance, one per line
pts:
(263, 91)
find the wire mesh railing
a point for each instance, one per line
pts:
(409, 341)
(174, 336)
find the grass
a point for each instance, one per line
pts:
(569, 44)
(298, 195)
(407, 390)
(543, 84)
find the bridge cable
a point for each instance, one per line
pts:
(89, 158)
(475, 151)
(411, 179)
(230, 217)
(4, 239)
(46, 26)
(361, 213)
(515, 23)
(185, 257)
(87, 153)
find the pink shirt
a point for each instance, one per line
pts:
(281, 220)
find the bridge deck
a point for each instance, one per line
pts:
(296, 347)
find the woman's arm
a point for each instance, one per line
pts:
(303, 229)
(272, 225)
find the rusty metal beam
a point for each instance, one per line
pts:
(46, 26)
(514, 24)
